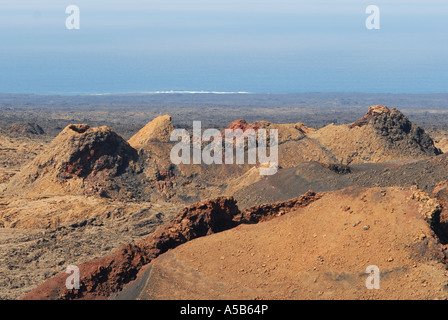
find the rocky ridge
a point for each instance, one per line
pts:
(105, 276)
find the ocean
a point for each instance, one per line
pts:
(223, 46)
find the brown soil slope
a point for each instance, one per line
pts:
(158, 129)
(318, 252)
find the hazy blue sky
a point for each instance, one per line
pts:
(223, 45)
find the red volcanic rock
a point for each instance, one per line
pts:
(243, 125)
(79, 128)
(266, 212)
(101, 277)
(373, 110)
(198, 220)
(164, 181)
(441, 192)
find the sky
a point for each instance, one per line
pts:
(269, 46)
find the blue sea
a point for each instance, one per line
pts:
(264, 46)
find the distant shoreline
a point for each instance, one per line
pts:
(203, 92)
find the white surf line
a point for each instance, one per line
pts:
(172, 92)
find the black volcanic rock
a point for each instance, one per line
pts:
(398, 131)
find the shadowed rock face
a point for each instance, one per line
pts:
(197, 220)
(440, 192)
(94, 151)
(401, 132)
(79, 128)
(269, 211)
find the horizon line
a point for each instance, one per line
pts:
(198, 92)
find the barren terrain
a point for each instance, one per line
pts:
(90, 183)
